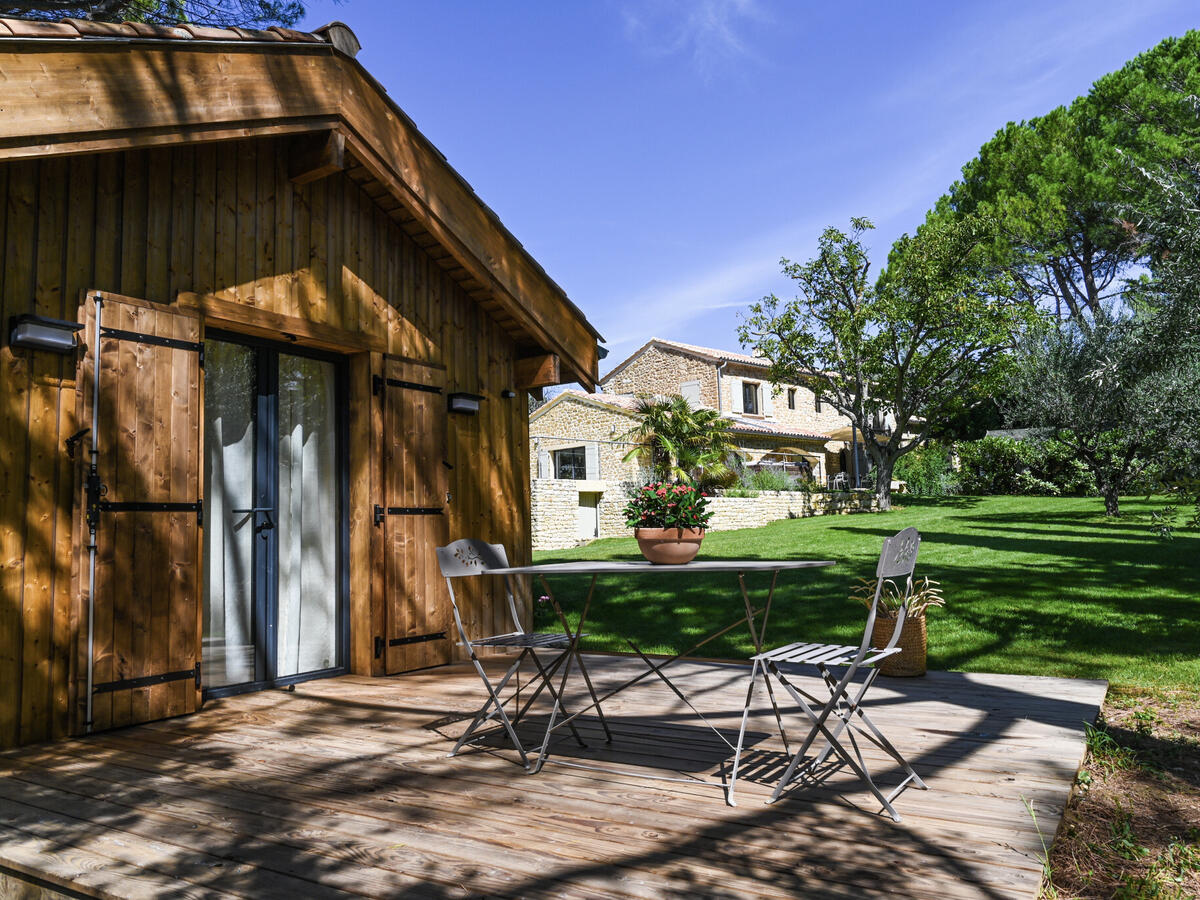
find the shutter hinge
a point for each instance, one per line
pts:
(378, 647)
(378, 515)
(376, 385)
(200, 518)
(197, 674)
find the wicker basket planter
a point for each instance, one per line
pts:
(910, 661)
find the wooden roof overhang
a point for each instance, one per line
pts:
(68, 96)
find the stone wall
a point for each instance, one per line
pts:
(769, 506)
(556, 509)
(658, 370)
(574, 422)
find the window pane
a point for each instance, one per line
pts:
(570, 463)
(750, 398)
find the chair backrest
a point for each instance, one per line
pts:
(899, 555)
(469, 556)
(897, 560)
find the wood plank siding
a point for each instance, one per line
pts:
(108, 95)
(219, 229)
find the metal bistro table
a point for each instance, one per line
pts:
(596, 568)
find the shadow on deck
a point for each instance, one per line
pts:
(343, 788)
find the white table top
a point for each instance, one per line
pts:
(624, 566)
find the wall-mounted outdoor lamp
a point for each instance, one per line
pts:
(41, 333)
(468, 404)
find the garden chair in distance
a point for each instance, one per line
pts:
(842, 712)
(474, 557)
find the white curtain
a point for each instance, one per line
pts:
(228, 652)
(307, 628)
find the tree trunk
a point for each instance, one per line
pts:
(1112, 501)
(883, 482)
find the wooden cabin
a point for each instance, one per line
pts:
(262, 350)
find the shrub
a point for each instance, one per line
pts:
(1003, 465)
(770, 480)
(738, 491)
(928, 471)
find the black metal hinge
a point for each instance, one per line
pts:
(378, 382)
(381, 511)
(417, 639)
(150, 506)
(378, 647)
(154, 340)
(125, 684)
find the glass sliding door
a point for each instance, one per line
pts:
(306, 636)
(274, 608)
(229, 653)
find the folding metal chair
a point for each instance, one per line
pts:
(473, 557)
(842, 712)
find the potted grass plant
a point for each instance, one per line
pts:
(913, 643)
(668, 519)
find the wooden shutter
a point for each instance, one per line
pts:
(591, 460)
(412, 512)
(145, 501)
(735, 390)
(545, 464)
(767, 403)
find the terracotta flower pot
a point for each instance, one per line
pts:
(669, 546)
(910, 661)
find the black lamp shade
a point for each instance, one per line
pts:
(464, 403)
(32, 332)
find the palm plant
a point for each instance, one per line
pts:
(678, 442)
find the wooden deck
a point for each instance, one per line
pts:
(343, 788)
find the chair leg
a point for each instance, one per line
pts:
(494, 694)
(557, 699)
(737, 754)
(837, 701)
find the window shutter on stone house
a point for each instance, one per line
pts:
(545, 464)
(591, 458)
(690, 391)
(767, 406)
(735, 391)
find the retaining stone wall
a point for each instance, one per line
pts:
(556, 509)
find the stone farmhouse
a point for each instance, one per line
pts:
(578, 472)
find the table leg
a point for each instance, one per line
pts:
(572, 651)
(759, 637)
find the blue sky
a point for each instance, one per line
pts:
(658, 157)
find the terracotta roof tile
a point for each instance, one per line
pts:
(89, 28)
(729, 355)
(291, 34)
(86, 28)
(34, 28)
(256, 34)
(208, 33)
(740, 425)
(168, 32)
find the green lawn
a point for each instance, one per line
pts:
(1040, 585)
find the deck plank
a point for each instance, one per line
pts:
(343, 788)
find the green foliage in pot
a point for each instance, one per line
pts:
(664, 504)
(922, 594)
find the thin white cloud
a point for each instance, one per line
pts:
(708, 32)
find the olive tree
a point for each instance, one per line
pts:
(895, 355)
